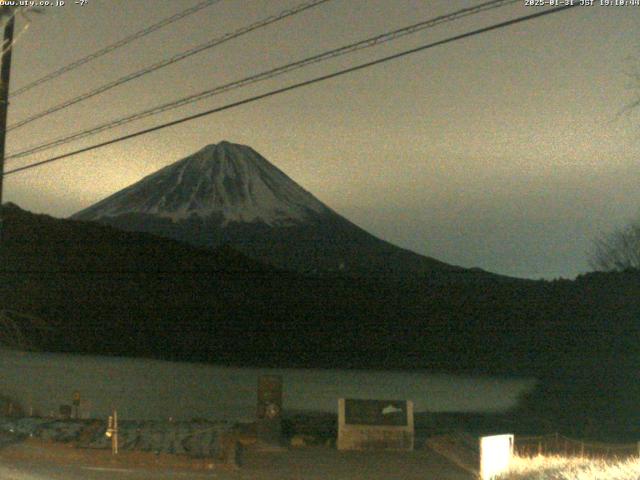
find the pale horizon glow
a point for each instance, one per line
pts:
(507, 151)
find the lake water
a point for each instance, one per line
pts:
(152, 389)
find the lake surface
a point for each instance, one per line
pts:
(153, 389)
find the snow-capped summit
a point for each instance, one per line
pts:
(229, 194)
(226, 180)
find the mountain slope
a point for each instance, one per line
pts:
(230, 194)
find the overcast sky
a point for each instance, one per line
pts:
(505, 151)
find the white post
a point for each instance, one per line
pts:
(495, 455)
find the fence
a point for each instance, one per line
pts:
(557, 444)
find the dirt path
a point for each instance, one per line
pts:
(34, 460)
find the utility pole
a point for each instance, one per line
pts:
(5, 73)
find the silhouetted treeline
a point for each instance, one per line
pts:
(111, 292)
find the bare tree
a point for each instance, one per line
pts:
(618, 250)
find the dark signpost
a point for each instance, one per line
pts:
(76, 404)
(65, 412)
(269, 414)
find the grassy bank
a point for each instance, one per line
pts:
(563, 468)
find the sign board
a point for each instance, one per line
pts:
(376, 412)
(375, 424)
(496, 452)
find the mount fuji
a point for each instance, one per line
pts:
(229, 194)
(226, 182)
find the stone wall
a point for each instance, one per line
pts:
(196, 438)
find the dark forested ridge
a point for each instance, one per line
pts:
(111, 292)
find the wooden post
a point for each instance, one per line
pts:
(112, 432)
(5, 72)
(114, 440)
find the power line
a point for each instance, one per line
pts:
(367, 43)
(169, 61)
(295, 86)
(110, 48)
